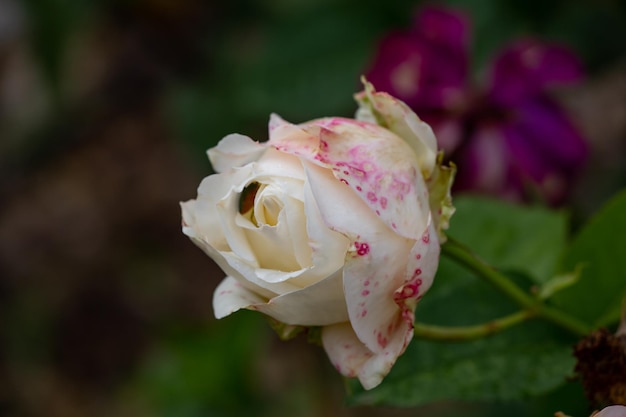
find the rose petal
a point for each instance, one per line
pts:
(351, 358)
(380, 168)
(275, 247)
(373, 161)
(230, 263)
(319, 304)
(230, 296)
(400, 119)
(301, 307)
(420, 271)
(292, 139)
(234, 150)
(276, 165)
(271, 281)
(328, 247)
(376, 266)
(346, 352)
(209, 222)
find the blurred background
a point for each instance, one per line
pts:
(106, 111)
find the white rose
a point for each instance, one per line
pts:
(332, 223)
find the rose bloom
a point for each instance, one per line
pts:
(334, 223)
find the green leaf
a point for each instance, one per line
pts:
(503, 373)
(601, 248)
(529, 240)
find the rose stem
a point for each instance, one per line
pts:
(459, 333)
(465, 257)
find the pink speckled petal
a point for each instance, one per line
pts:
(292, 139)
(374, 268)
(396, 116)
(353, 359)
(420, 272)
(234, 151)
(230, 296)
(346, 352)
(380, 364)
(380, 169)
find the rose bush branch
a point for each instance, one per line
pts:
(460, 333)
(462, 255)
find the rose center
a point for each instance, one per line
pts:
(259, 204)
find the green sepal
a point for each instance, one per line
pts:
(285, 331)
(440, 198)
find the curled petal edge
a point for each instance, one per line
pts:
(387, 111)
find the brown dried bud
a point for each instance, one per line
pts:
(601, 366)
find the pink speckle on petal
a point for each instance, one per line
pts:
(365, 293)
(383, 202)
(426, 237)
(417, 272)
(344, 181)
(363, 313)
(418, 256)
(382, 341)
(372, 197)
(358, 188)
(410, 290)
(346, 172)
(408, 316)
(378, 212)
(362, 248)
(366, 283)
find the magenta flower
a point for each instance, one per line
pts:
(511, 138)
(426, 67)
